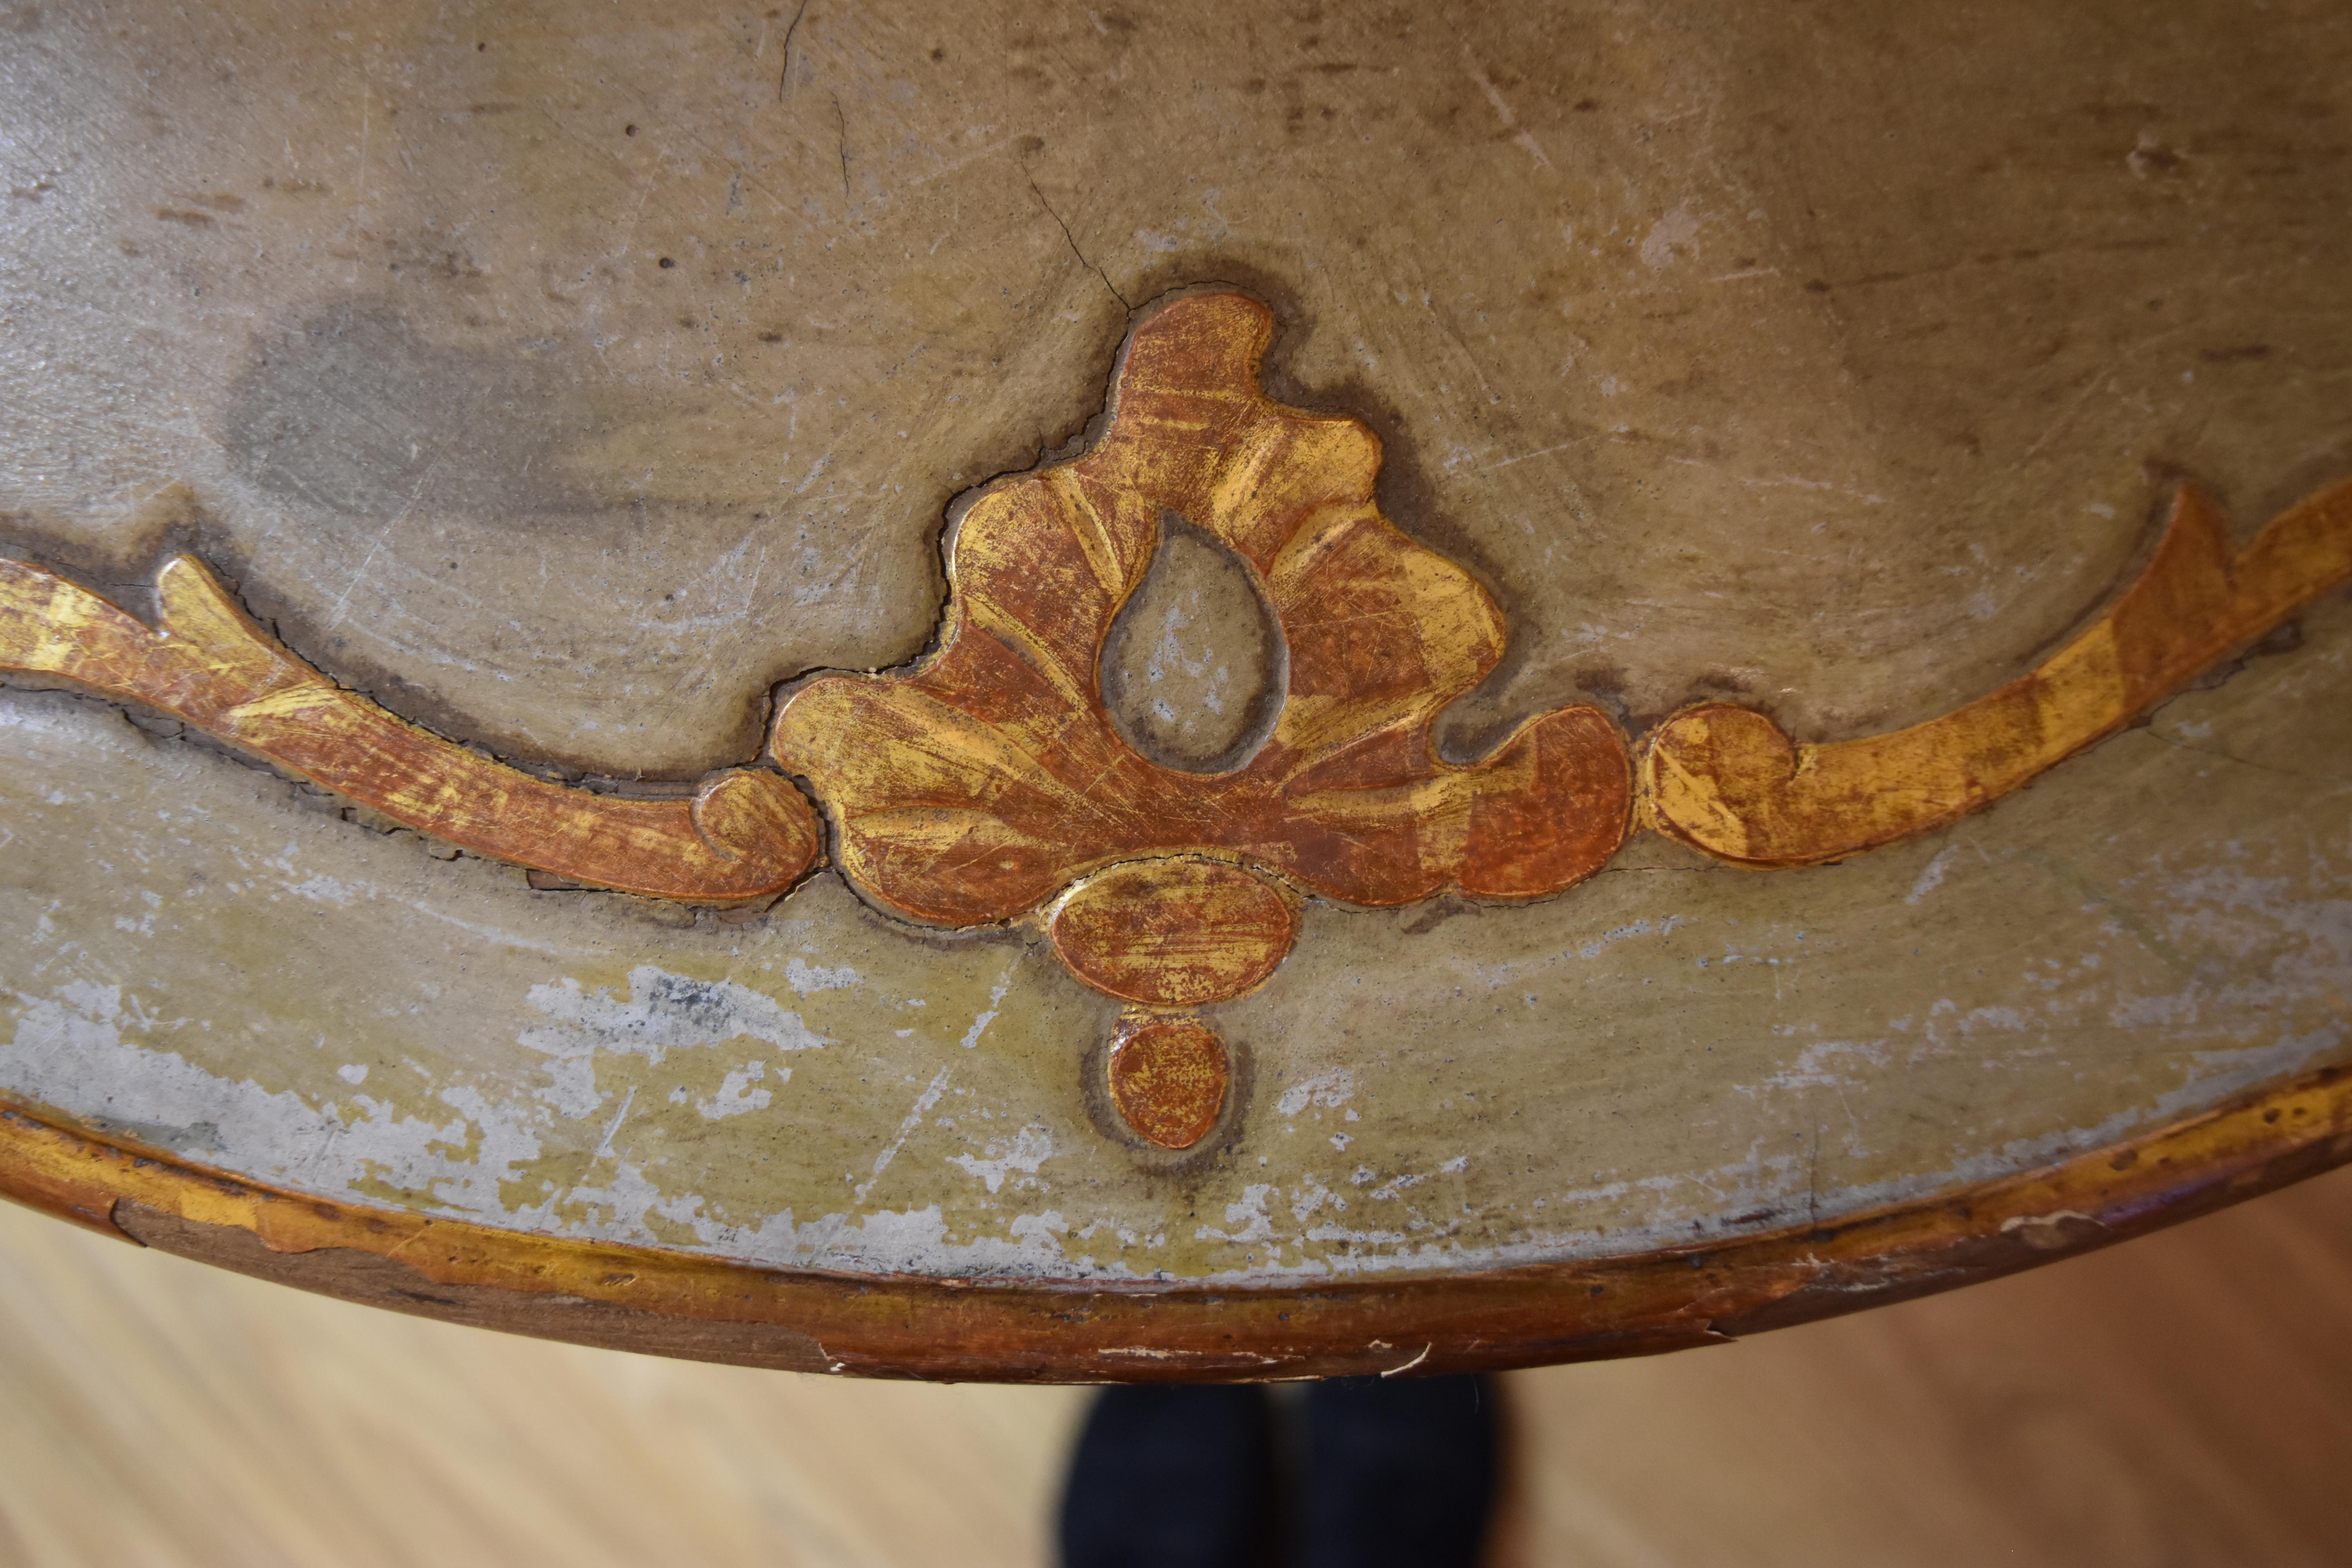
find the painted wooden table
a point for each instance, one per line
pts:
(998, 693)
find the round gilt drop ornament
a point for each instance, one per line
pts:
(1171, 934)
(1168, 1079)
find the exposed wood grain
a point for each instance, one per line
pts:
(2182, 1401)
(162, 1413)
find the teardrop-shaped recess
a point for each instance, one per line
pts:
(1193, 669)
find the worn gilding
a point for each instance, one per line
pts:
(1678, 1297)
(1168, 1079)
(1727, 780)
(744, 835)
(1175, 932)
(976, 786)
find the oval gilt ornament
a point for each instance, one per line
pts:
(1174, 933)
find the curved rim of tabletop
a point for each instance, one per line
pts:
(683, 1304)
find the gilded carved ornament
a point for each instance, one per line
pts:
(988, 783)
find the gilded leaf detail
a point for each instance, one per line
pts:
(976, 786)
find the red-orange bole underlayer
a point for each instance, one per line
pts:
(978, 784)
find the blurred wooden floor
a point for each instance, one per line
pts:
(2185, 1399)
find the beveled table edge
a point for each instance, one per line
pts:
(680, 1304)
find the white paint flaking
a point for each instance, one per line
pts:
(731, 1101)
(1022, 1153)
(804, 977)
(1671, 238)
(1331, 1090)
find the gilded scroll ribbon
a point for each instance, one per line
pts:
(987, 785)
(746, 835)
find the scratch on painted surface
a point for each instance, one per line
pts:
(914, 1119)
(604, 1145)
(995, 1003)
(2260, 923)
